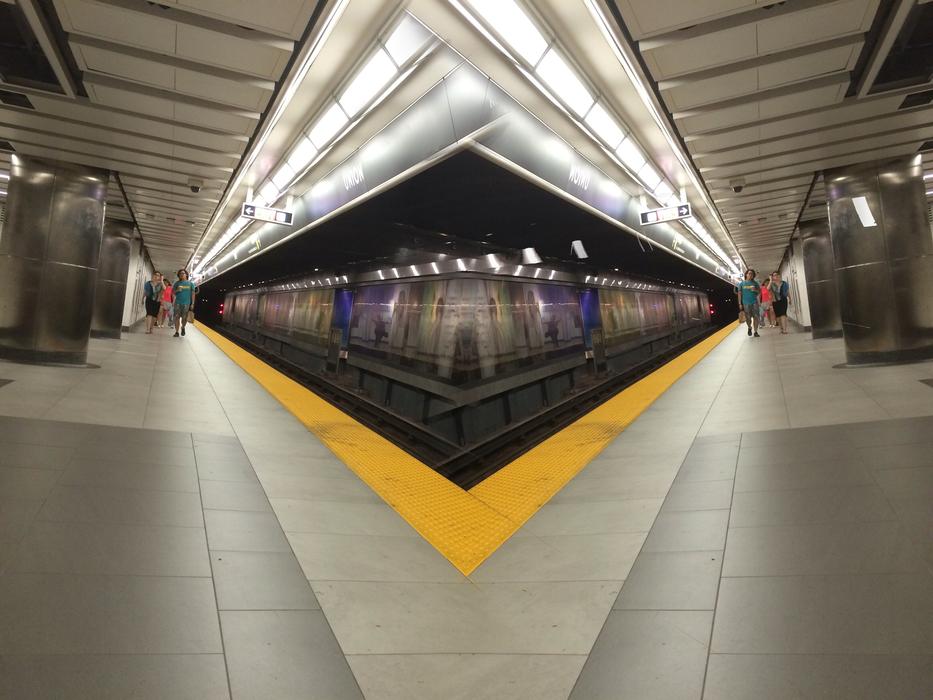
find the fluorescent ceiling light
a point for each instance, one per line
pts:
(302, 155)
(630, 154)
(927, 176)
(283, 176)
(372, 77)
(4, 176)
(604, 126)
(269, 192)
(327, 126)
(562, 79)
(409, 36)
(513, 25)
(530, 256)
(864, 212)
(649, 176)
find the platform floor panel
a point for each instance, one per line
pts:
(595, 580)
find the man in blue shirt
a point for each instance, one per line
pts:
(749, 294)
(184, 292)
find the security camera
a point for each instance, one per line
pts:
(195, 185)
(737, 185)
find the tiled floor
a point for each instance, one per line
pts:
(798, 555)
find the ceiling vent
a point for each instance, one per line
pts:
(15, 99)
(925, 146)
(917, 99)
(6, 146)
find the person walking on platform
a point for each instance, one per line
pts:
(780, 292)
(165, 313)
(749, 294)
(767, 315)
(152, 292)
(184, 292)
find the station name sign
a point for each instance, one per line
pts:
(260, 213)
(657, 216)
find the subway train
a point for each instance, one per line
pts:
(467, 371)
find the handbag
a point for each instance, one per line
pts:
(190, 315)
(742, 317)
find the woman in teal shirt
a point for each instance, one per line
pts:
(184, 291)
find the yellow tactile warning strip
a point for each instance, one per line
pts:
(466, 526)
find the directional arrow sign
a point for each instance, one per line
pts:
(657, 216)
(261, 213)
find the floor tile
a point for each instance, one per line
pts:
(439, 618)
(27, 484)
(672, 581)
(232, 495)
(114, 677)
(370, 558)
(16, 516)
(138, 454)
(868, 614)
(604, 557)
(147, 477)
(906, 483)
(244, 531)
(101, 548)
(688, 531)
(699, 495)
(832, 504)
(34, 456)
(853, 677)
(466, 676)
(218, 470)
(318, 489)
(802, 475)
(898, 456)
(647, 654)
(285, 655)
(340, 518)
(628, 515)
(90, 504)
(824, 548)
(77, 614)
(615, 488)
(260, 581)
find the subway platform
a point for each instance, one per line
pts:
(763, 530)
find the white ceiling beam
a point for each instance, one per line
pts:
(753, 14)
(759, 61)
(837, 78)
(174, 61)
(176, 13)
(110, 81)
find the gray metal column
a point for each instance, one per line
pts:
(821, 279)
(112, 270)
(48, 259)
(883, 257)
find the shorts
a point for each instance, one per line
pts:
(152, 307)
(780, 307)
(167, 306)
(181, 311)
(751, 311)
(765, 305)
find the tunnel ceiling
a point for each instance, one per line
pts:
(464, 205)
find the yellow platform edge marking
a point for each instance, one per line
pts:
(466, 527)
